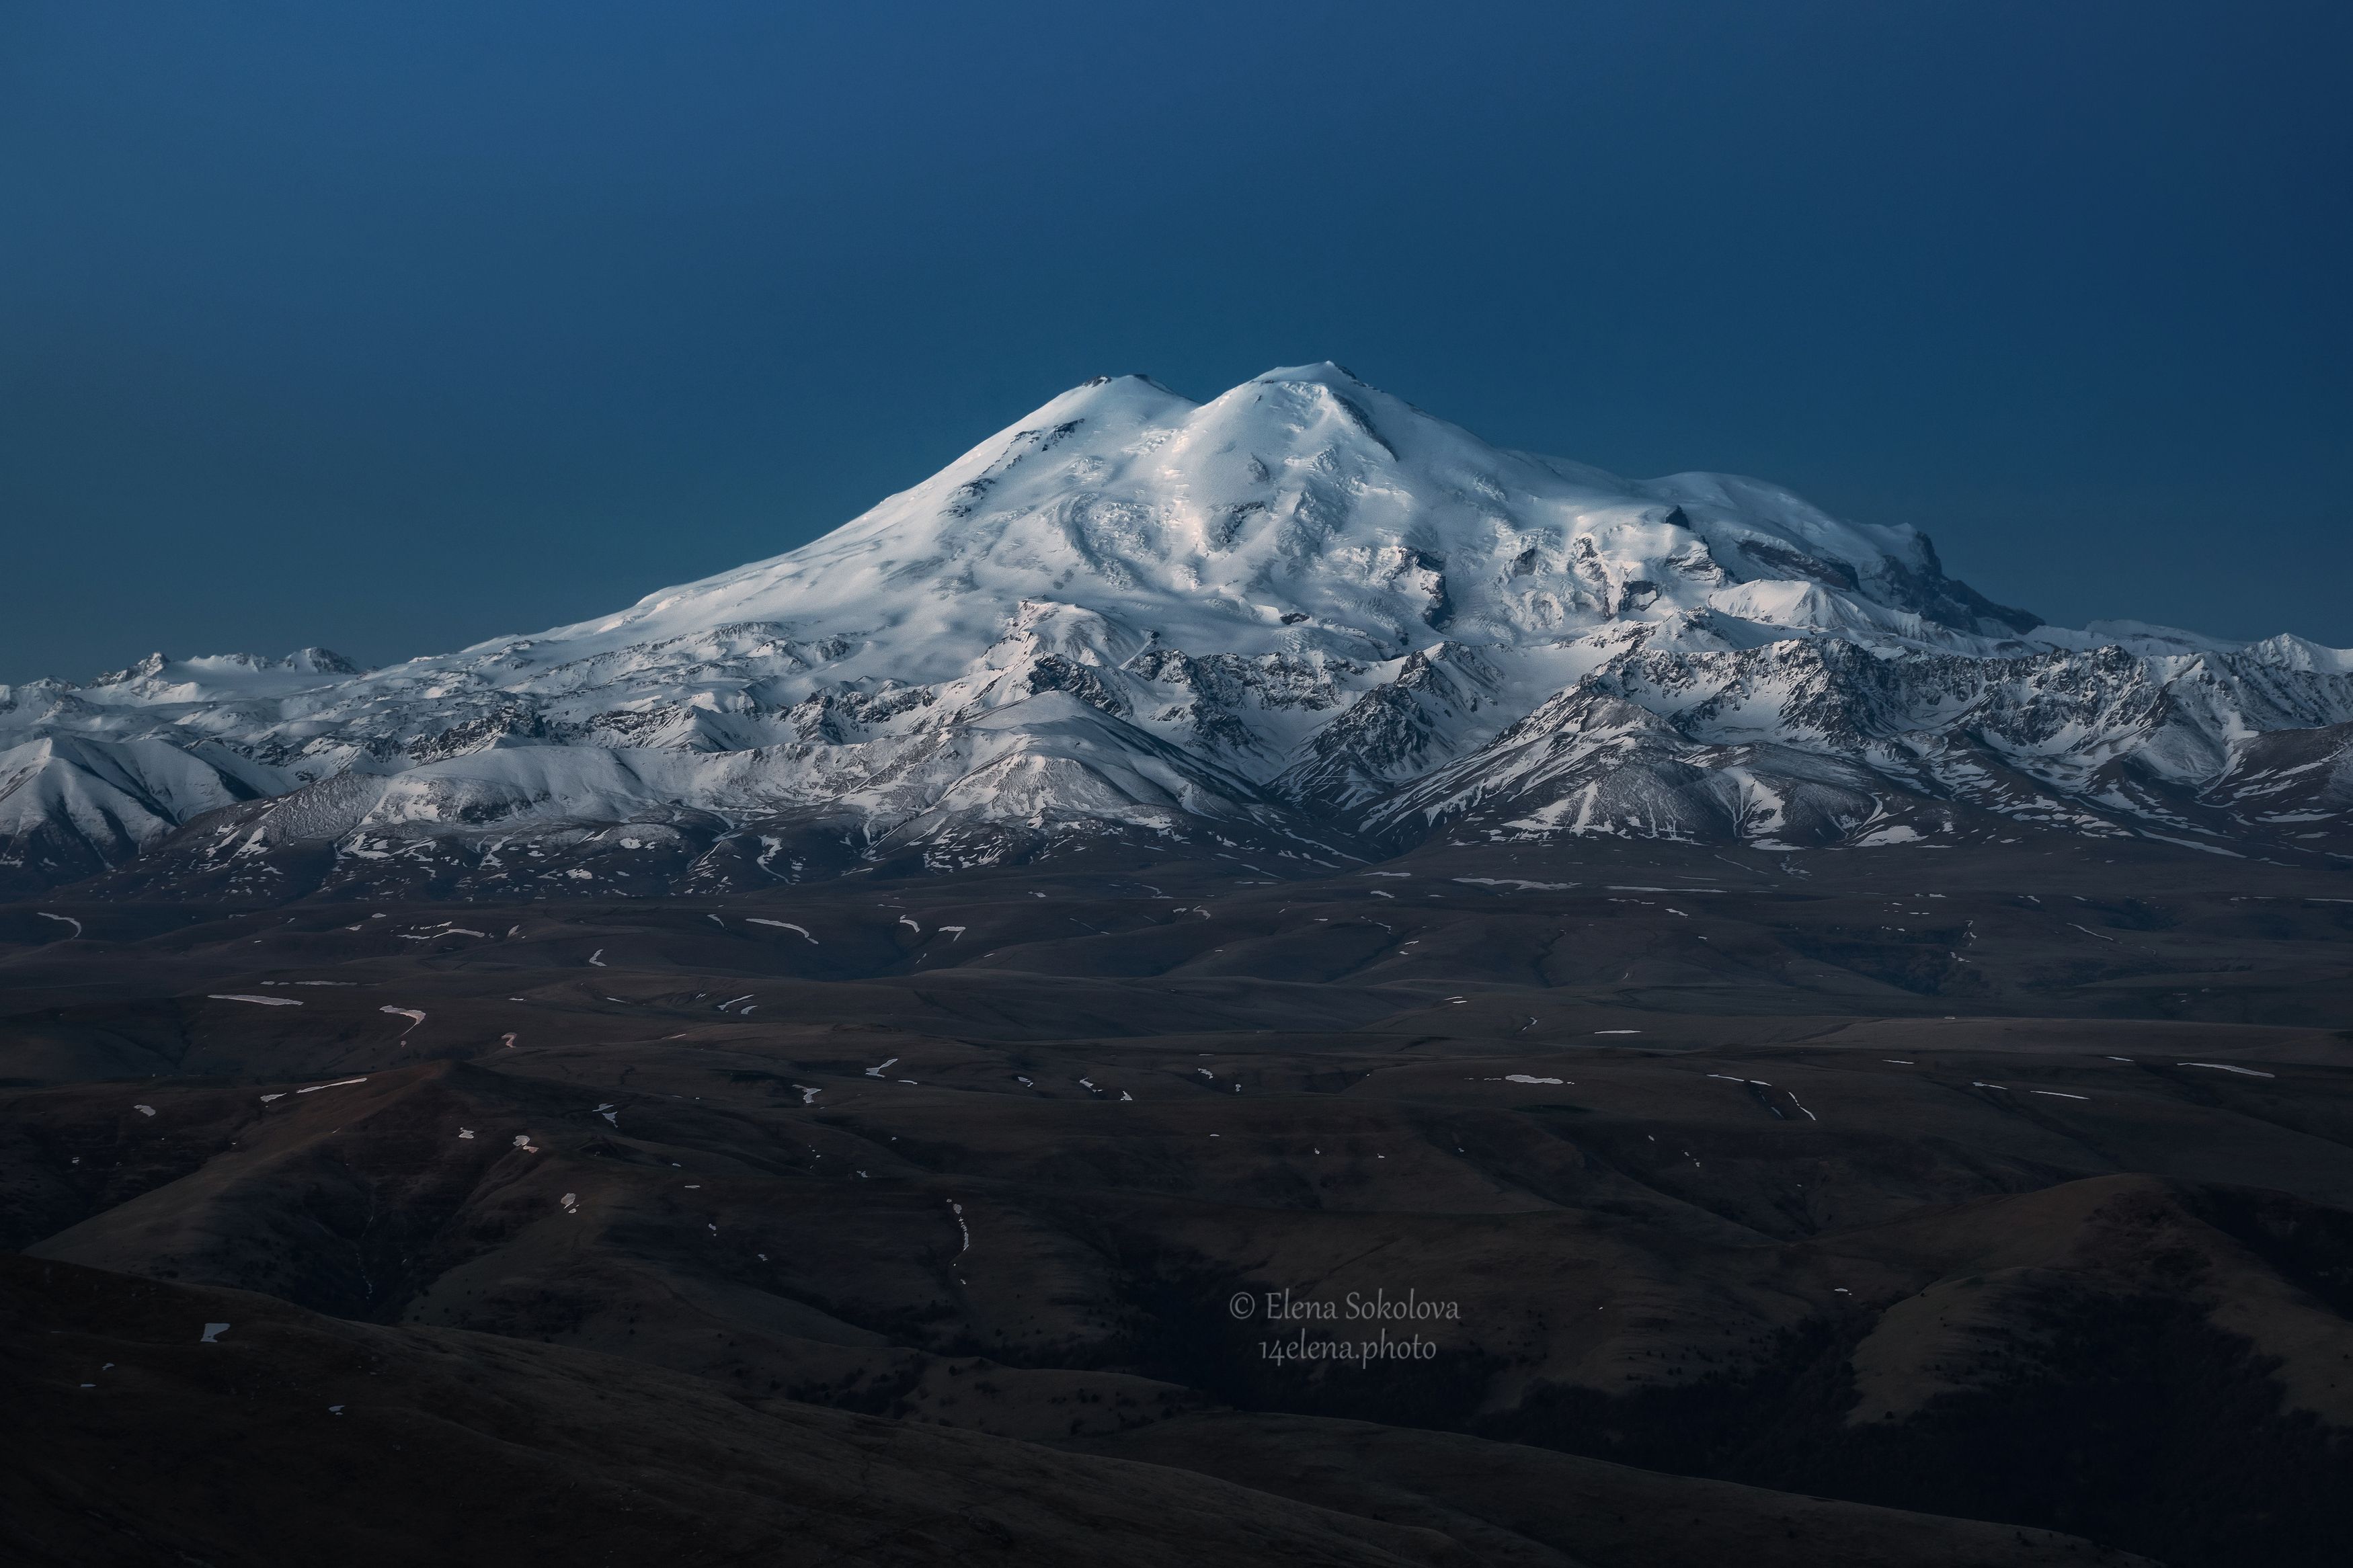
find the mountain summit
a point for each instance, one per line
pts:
(1306, 511)
(1304, 617)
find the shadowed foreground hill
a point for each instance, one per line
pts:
(296, 1438)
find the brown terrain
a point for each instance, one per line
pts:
(1851, 1208)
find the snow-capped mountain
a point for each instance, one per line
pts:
(1303, 618)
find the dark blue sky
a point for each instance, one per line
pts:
(392, 326)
